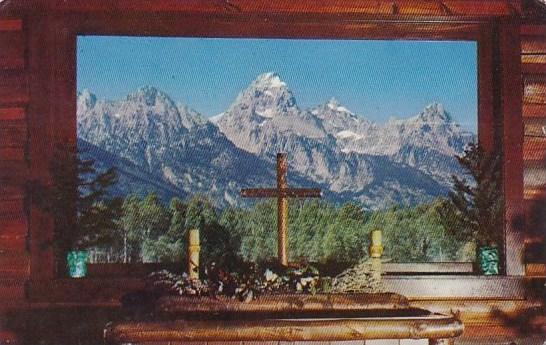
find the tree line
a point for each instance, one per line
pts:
(318, 231)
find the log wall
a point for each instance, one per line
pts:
(14, 164)
(533, 58)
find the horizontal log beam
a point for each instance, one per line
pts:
(434, 326)
(533, 45)
(533, 30)
(12, 54)
(534, 89)
(534, 149)
(12, 154)
(13, 88)
(533, 59)
(13, 133)
(283, 193)
(533, 67)
(13, 226)
(11, 208)
(445, 8)
(12, 290)
(534, 110)
(11, 25)
(14, 264)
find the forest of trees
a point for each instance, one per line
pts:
(149, 231)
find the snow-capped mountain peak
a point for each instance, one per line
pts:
(435, 112)
(150, 96)
(269, 80)
(334, 104)
(86, 100)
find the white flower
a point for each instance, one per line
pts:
(270, 276)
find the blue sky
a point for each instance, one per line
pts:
(375, 79)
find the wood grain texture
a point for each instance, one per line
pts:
(12, 290)
(533, 67)
(12, 114)
(423, 327)
(14, 225)
(512, 146)
(14, 264)
(537, 270)
(278, 27)
(13, 134)
(12, 154)
(534, 127)
(84, 291)
(13, 50)
(285, 303)
(529, 30)
(534, 110)
(444, 8)
(13, 88)
(535, 60)
(535, 177)
(533, 45)
(11, 208)
(534, 89)
(40, 114)
(534, 149)
(14, 24)
(535, 194)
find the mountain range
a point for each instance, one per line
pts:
(157, 144)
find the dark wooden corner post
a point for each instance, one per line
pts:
(509, 51)
(52, 61)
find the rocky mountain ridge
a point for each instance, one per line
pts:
(402, 161)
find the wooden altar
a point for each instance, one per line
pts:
(288, 318)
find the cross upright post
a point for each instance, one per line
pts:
(282, 193)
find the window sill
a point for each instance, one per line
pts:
(83, 291)
(105, 291)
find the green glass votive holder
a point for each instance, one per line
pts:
(77, 263)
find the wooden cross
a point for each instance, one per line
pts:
(282, 193)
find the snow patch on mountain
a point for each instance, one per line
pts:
(347, 134)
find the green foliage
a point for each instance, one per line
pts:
(77, 198)
(474, 210)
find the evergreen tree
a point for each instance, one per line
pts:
(84, 214)
(474, 210)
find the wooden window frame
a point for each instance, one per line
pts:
(52, 110)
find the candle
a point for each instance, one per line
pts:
(376, 247)
(194, 237)
(193, 253)
(376, 238)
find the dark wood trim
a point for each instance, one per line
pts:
(40, 111)
(512, 141)
(108, 290)
(415, 8)
(83, 291)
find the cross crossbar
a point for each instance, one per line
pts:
(282, 193)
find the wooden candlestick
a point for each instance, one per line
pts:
(376, 248)
(193, 253)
